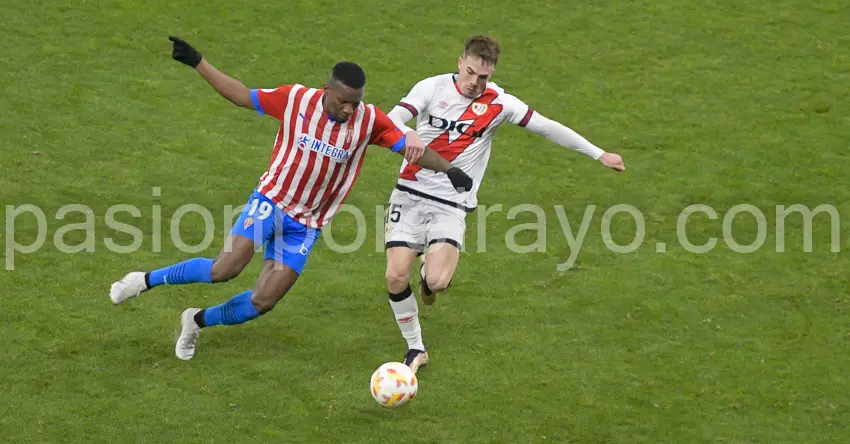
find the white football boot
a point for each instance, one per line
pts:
(189, 332)
(128, 287)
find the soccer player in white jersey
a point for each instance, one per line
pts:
(317, 155)
(456, 116)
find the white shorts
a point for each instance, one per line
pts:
(417, 222)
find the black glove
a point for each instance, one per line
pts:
(459, 179)
(184, 52)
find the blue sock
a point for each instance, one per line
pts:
(194, 270)
(236, 310)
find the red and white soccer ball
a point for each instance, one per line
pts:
(393, 385)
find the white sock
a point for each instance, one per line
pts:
(407, 317)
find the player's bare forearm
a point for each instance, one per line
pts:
(433, 161)
(229, 88)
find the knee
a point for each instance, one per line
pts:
(224, 270)
(397, 279)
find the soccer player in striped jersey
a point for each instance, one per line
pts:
(457, 114)
(319, 149)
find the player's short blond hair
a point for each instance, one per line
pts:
(484, 47)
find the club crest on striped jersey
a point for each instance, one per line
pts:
(335, 153)
(479, 108)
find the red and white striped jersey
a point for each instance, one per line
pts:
(316, 160)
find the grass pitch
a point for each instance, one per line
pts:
(715, 103)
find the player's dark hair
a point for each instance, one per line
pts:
(483, 47)
(350, 74)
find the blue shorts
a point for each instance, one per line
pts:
(284, 239)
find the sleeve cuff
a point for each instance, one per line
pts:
(256, 99)
(596, 153)
(410, 108)
(527, 117)
(399, 145)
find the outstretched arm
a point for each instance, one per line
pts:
(229, 88)
(523, 115)
(566, 137)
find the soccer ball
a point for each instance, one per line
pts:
(393, 384)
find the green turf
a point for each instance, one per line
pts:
(718, 103)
